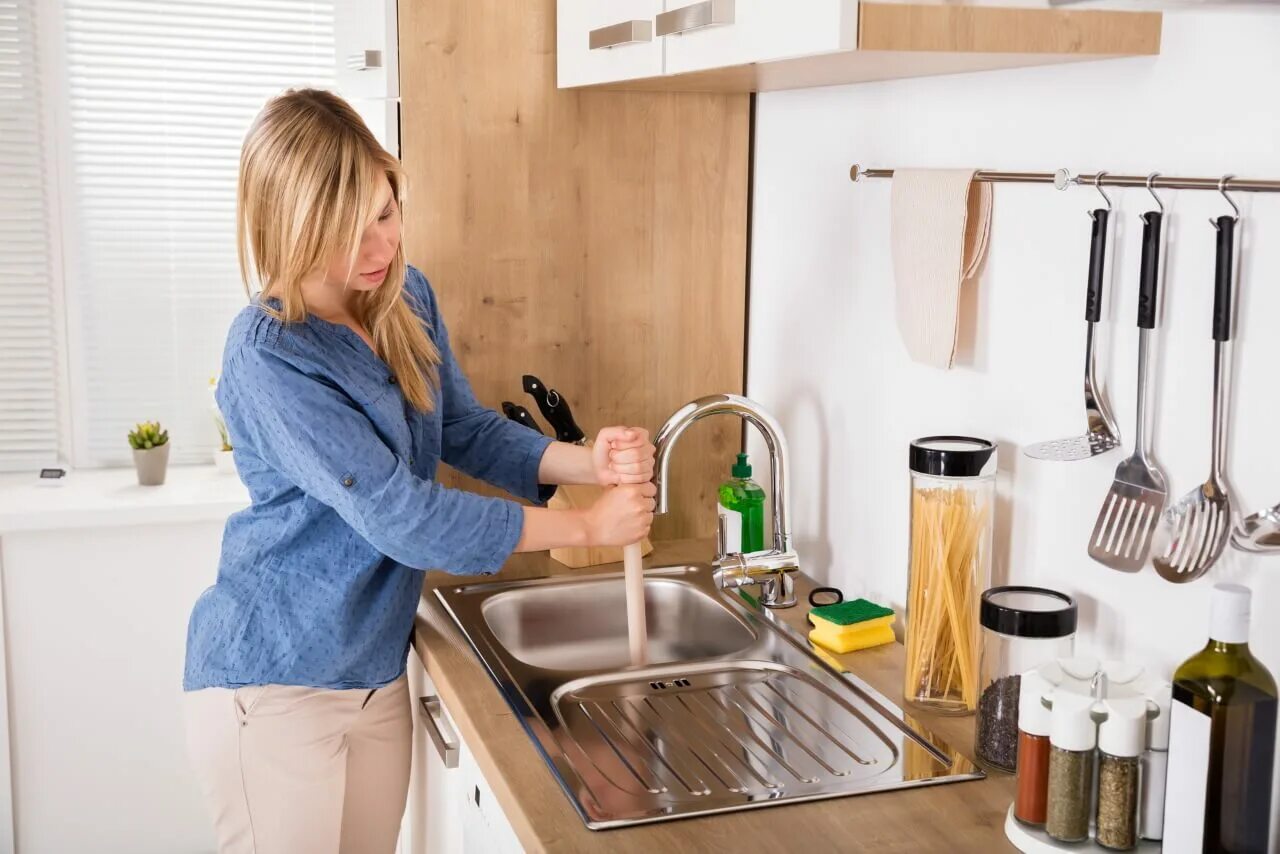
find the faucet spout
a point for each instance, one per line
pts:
(770, 569)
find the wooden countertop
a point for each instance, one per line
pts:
(956, 817)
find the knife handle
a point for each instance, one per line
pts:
(1222, 280)
(1149, 275)
(520, 415)
(1097, 265)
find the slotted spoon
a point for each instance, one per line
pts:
(1195, 530)
(1102, 435)
(1122, 535)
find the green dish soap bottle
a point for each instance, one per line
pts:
(741, 506)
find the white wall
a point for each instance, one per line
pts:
(825, 354)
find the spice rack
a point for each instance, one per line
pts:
(1033, 840)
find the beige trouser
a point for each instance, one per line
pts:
(290, 770)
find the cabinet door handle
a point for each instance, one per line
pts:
(695, 16)
(442, 735)
(615, 35)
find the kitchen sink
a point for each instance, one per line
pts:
(582, 625)
(732, 712)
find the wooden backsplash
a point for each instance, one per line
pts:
(595, 239)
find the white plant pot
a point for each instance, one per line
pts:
(224, 462)
(151, 465)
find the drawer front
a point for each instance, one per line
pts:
(601, 41)
(719, 33)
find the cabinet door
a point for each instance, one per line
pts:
(702, 34)
(434, 817)
(601, 41)
(485, 828)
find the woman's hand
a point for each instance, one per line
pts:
(622, 455)
(621, 516)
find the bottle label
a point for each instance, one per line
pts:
(732, 529)
(1188, 780)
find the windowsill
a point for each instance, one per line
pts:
(95, 498)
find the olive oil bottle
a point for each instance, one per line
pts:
(1222, 739)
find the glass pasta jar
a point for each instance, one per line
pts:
(952, 510)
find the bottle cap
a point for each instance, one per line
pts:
(1161, 693)
(1124, 731)
(1071, 726)
(1028, 612)
(1033, 716)
(953, 456)
(741, 468)
(1229, 613)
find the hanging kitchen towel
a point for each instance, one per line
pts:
(938, 231)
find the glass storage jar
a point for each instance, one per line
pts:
(1022, 628)
(952, 510)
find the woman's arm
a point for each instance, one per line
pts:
(621, 516)
(619, 455)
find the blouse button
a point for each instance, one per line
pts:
(348, 481)
(392, 379)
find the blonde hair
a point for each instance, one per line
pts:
(310, 183)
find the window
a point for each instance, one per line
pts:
(29, 414)
(159, 96)
(150, 103)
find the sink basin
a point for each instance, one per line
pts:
(732, 712)
(582, 625)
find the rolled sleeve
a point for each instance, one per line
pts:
(318, 438)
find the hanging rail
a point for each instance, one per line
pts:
(1062, 179)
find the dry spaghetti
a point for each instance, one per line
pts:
(950, 561)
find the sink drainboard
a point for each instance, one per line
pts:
(766, 725)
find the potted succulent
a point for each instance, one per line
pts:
(223, 460)
(150, 443)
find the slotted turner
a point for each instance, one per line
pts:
(1194, 532)
(1102, 435)
(1122, 535)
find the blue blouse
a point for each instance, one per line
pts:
(320, 576)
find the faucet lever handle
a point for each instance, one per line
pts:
(722, 537)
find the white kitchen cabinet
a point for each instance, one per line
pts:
(451, 807)
(766, 45)
(366, 64)
(604, 41)
(699, 35)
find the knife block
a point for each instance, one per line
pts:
(578, 497)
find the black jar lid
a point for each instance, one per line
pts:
(1028, 612)
(953, 456)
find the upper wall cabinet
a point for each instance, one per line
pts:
(717, 33)
(758, 45)
(603, 41)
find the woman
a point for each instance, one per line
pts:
(341, 395)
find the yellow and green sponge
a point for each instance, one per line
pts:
(848, 626)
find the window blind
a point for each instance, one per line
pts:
(160, 95)
(28, 350)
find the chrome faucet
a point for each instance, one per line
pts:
(772, 568)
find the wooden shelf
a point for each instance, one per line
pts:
(898, 40)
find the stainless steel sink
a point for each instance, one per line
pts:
(733, 712)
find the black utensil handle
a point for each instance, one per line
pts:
(1222, 280)
(1149, 276)
(1097, 265)
(520, 415)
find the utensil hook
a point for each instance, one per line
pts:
(1151, 180)
(1097, 185)
(1222, 188)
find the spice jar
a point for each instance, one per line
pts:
(1155, 764)
(1120, 741)
(1022, 628)
(1032, 790)
(1073, 736)
(952, 509)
